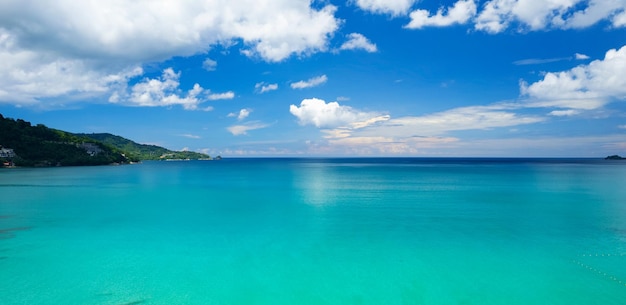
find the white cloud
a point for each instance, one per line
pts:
(568, 112)
(573, 91)
(312, 82)
(498, 14)
(328, 115)
(538, 61)
(243, 113)
(495, 16)
(393, 7)
(357, 41)
(51, 51)
(356, 132)
(337, 133)
(262, 87)
(584, 87)
(460, 13)
(190, 136)
(274, 30)
(229, 95)
(595, 11)
(243, 129)
(619, 20)
(386, 145)
(581, 56)
(369, 122)
(622, 126)
(346, 120)
(463, 118)
(534, 15)
(28, 75)
(209, 64)
(162, 91)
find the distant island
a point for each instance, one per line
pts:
(614, 157)
(22, 144)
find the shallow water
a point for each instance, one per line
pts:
(316, 231)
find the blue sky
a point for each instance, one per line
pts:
(519, 78)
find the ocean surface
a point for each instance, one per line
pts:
(316, 231)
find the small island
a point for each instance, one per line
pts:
(615, 157)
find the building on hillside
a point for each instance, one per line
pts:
(91, 148)
(6, 152)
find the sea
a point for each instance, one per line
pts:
(316, 231)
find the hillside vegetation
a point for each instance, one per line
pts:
(42, 146)
(141, 151)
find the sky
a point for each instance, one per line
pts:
(297, 78)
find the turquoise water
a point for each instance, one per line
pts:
(307, 231)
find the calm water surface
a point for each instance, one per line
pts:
(316, 231)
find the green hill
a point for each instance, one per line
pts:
(142, 151)
(25, 145)
(42, 146)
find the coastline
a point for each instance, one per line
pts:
(370, 160)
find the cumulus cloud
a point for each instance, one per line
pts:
(328, 115)
(619, 20)
(29, 75)
(393, 7)
(274, 30)
(572, 92)
(581, 56)
(243, 129)
(209, 64)
(312, 82)
(243, 113)
(163, 91)
(262, 87)
(584, 87)
(356, 131)
(495, 16)
(460, 13)
(103, 45)
(271, 29)
(595, 11)
(533, 15)
(229, 95)
(357, 41)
